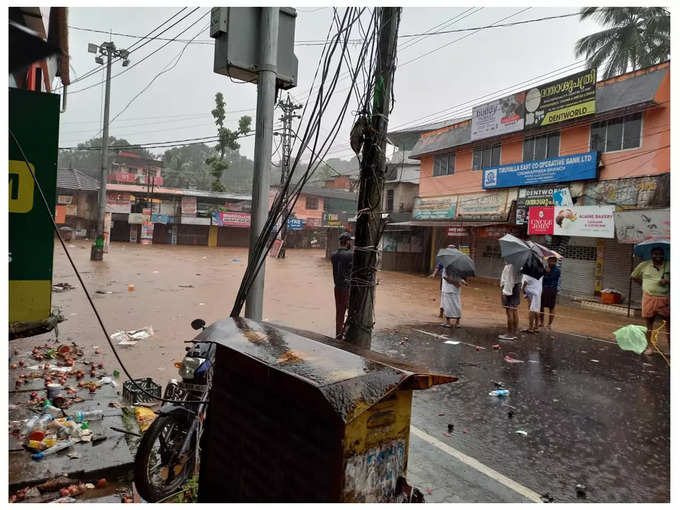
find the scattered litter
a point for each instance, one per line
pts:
(632, 338)
(512, 360)
(429, 492)
(108, 380)
(441, 414)
(73, 455)
(595, 360)
(498, 384)
(464, 431)
(510, 415)
(447, 435)
(145, 417)
(499, 393)
(62, 287)
(521, 432)
(186, 286)
(452, 342)
(580, 490)
(496, 347)
(66, 499)
(117, 405)
(477, 348)
(131, 337)
(450, 427)
(547, 498)
(103, 292)
(533, 361)
(618, 389)
(131, 287)
(556, 400)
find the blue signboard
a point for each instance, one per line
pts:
(575, 167)
(161, 218)
(294, 224)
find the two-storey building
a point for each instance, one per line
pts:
(586, 184)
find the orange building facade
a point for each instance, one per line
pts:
(630, 134)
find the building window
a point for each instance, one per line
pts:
(542, 147)
(444, 164)
(617, 134)
(487, 156)
(390, 200)
(312, 203)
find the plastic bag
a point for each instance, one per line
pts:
(632, 338)
(145, 417)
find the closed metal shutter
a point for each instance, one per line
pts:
(488, 260)
(578, 267)
(617, 269)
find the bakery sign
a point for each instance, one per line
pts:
(581, 221)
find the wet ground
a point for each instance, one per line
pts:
(602, 423)
(593, 414)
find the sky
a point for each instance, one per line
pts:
(438, 76)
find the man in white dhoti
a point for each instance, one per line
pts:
(450, 302)
(532, 289)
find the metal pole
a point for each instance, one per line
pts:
(369, 224)
(98, 249)
(630, 281)
(264, 122)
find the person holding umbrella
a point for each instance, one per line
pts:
(456, 266)
(654, 276)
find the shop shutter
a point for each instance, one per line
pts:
(617, 269)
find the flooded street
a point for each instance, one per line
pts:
(592, 414)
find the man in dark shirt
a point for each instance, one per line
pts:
(551, 281)
(342, 271)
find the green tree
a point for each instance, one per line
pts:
(87, 155)
(185, 167)
(226, 143)
(634, 37)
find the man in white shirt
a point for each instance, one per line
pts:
(532, 289)
(510, 282)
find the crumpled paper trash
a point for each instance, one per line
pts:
(131, 337)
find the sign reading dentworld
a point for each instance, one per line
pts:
(575, 167)
(582, 221)
(560, 100)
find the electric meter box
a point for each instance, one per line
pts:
(236, 31)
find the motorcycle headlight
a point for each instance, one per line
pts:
(189, 366)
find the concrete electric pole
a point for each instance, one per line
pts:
(369, 218)
(286, 134)
(109, 50)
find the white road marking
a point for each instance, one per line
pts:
(448, 338)
(475, 464)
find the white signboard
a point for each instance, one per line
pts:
(188, 220)
(635, 226)
(498, 117)
(585, 221)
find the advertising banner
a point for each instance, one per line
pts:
(160, 218)
(147, 232)
(543, 196)
(483, 205)
(189, 206)
(585, 221)
(456, 232)
(137, 218)
(296, 224)
(231, 219)
(117, 202)
(72, 210)
(188, 220)
(637, 193)
(564, 99)
(438, 208)
(541, 220)
(635, 226)
(498, 117)
(64, 199)
(60, 214)
(575, 167)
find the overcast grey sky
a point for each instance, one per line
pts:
(429, 82)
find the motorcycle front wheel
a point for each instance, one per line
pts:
(159, 472)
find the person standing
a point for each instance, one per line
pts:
(551, 282)
(451, 302)
(654, 275)
(342, 273)
(532, 289)
(510, 284)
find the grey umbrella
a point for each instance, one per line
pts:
(514, 250)
(456, 262)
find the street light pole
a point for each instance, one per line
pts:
(109, 50)
(264, 123)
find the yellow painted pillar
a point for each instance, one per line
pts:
(212, 236)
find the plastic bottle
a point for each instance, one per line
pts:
(499, 393)
(54, 411)
(81, 416)
(56, 448)
(43, 421)
(30, 425)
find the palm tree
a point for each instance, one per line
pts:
(635, 37)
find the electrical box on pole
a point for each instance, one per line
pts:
(236, 31)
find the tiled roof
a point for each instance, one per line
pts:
(71, 178)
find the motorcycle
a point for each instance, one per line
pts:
(169, 451)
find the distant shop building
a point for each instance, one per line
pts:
(584, 172)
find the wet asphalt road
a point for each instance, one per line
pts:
(593, 414)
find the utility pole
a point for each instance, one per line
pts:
(286, 134)
(369, 218)
(264, 124)
(109, 50)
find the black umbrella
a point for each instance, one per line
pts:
(456, 262)
(533, 266)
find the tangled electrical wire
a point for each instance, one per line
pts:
(334, 56)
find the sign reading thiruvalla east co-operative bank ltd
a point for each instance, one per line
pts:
(575, 167)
